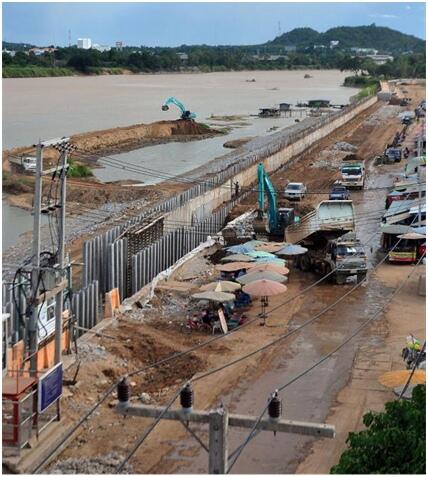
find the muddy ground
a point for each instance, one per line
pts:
(338, 392)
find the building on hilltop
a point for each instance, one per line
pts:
(380, 59)
(334, 43)
(119, 45)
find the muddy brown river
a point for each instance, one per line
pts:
(45, 108)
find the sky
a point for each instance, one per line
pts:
(174, 24)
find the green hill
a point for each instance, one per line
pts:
(17, 46)
(381, 38)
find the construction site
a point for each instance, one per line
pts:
(160, 371)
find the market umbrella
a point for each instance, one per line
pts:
(291, 250)
(233, 267)
(269, 246)
(260, 254)
(392, 379)
(239, 249)
(237, 258)
(264, 288)
(221, 286)
(412, 236)
(274, 260)
(253, 243)
(270, 276)
(214, 296)
(268, 267)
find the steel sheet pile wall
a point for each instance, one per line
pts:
(163, 253)
(85, 307)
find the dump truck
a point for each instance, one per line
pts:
(328, 232)
(352, 175)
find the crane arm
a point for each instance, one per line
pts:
(265, 184)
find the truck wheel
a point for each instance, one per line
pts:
(340, 279)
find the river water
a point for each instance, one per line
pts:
(45, 108)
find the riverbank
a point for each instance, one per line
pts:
(168, 449)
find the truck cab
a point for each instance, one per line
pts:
(352, 175)
(348, 257)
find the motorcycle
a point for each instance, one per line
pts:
(413, 353)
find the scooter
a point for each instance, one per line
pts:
(413, 353)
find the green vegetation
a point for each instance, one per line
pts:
(13, 184)
(297, 49)
(79, 170)
(370, 36)
(35, 71)
(393, 443)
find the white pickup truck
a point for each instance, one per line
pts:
(295, 191)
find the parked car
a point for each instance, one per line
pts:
(295, 191)
(339, 192)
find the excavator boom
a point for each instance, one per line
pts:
(185, 114)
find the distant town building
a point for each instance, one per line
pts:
(290, 49)
(364, 51)
(380, 59)
(96, 46)
(184, 57)
(84, 43)
(318, 47)
(119, 45)
(334, 43)
(41, 51)
(9, 52)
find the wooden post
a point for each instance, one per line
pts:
(218, 425)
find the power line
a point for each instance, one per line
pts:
(306, 371)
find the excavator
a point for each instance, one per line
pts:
(277, 218)
(185, 114)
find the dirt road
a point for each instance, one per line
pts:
(326, 394)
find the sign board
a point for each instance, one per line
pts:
(223, 322)
(50, 387)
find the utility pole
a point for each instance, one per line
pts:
(219, 421)
(61, 246)
(63, 146)
(33, 322)
(419, 184)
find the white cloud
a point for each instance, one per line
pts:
(382, 15)
(408, 7)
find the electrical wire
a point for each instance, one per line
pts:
(306, 371)
(233, 362)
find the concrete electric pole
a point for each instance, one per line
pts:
(219, 421)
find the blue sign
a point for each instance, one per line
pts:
(50, 387)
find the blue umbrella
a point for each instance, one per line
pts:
(239, 249)
(274, 260)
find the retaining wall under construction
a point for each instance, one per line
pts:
(200, 207)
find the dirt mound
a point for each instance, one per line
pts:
(125, 138)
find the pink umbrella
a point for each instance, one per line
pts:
(264, 288)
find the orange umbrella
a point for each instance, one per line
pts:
(264, 288)
(267, 267)
(233, 266)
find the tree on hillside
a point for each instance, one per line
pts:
(393, 443)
